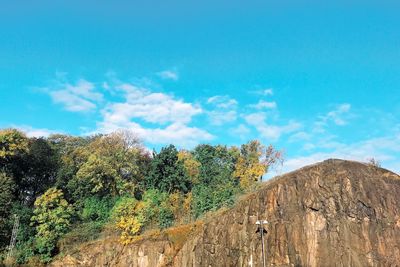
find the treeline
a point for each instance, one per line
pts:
(65, 186)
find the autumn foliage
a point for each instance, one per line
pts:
(69, 189)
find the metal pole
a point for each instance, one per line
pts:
(260, 224)
(262, 245)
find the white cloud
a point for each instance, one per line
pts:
(160, 109)
(169, 75)
(300, 136)
(383, 149)
(267, 92)
(220, 117)
(262, 104)
(150, 107)
(263, 92)
(222, 101)
(72, 102)
(223, 109)
(335, 115)
(338, 116)
(242, 131)
(76, 98)
(270, 131)
(35, 132)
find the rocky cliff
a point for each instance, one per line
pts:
(335, 213)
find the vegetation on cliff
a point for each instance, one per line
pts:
(72, 188)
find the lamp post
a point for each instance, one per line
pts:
(260, 224)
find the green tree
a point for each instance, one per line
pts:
(160, 209)
(36, 170)
(52, 219)
(216, 187)
(25, 238)
(113, 164)
(7, 187)
(71, 154)
(167, 173)
(97, 209)
(101, 174)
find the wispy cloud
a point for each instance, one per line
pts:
(382, 149)
(270, 131)
(267, 92)
(169, 75)
(242, 131)
(81, 97)
(222, 101)
(300, 136)
(223, 109)
(321, 144)
(262, 104)
(338, 116)
(220, 117)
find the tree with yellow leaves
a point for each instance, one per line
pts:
(52, 219)
(192, 166)
(12, 143)
(253, 162)
(113, 164)
(127, 217)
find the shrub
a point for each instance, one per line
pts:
(96, 209)
(25, 251)
(160, 209)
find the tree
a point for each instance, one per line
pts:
(113, 164)
(192, 166)
(249, 168)
(12, 143)
(216, 164)
(161, 209)
(97, 209)
(167, 173)
(374, 162)
(52, 219)
(100, 174)
(6, 197)
(36, 170)
(253, 162)
(71, 154)
(65, 144)
(273, 157)
(216, 187)
(126, 216)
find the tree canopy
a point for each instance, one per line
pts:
(71, 188)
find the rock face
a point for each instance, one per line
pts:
(335, 213)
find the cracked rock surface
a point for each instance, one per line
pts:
(334, 213)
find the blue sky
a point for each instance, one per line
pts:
(316, 79)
